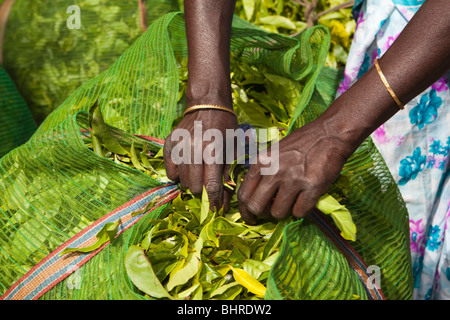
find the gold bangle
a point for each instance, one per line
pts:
(208, 106)
(388, 87)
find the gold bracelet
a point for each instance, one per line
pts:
(208, 106)
(388, 87)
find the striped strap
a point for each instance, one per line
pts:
(55, 268)
(353, 258)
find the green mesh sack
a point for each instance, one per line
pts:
(48, 60)
(371, 195)
(16, 123)
(55, 186)
(310, 267)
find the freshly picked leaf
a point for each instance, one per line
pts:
(239, 248)
(107, 233)
(188, 292)
(340, 214)
(189, 269)
(220, 226)
(135, 159)
(141, 273)
(255, 268)
(101, 131)
(226, 292)
(247, 281)
(204, 209)
(163, 263)
(278, 21)
(275, 239)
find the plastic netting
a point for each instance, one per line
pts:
(53, 186)
(16, 122)
(308, 251)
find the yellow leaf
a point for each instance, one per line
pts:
(327, 204)
(339, 34)
(248, 282)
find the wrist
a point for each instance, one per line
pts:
(208, 92)
(359, 111)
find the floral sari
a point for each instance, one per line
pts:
(415, 144)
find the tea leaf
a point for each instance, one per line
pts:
(247, 281)
(107, 233)
(102, 132)
(340, 215)
(204, 209)
(134, 158)
(141, 273)
(190, 268)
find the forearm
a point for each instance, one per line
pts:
(208, 31)
(419, 57)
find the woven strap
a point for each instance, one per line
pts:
(55, 268)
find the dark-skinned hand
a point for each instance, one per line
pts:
(309, 162)
(194, 176)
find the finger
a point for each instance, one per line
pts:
(305, 202)
(213, 182)
(183, 172)
(171, 168)
(248, 217)
(283, 203)
(227, 194)
(261, 197)
(196, 178)
(249, 185)
(251, 181)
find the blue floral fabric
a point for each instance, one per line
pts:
(415, 144)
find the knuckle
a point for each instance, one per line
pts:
(242, 194)
(254, 208)
(298, 213)
(278, 214)
(166, 150)
(196, 189)
(213, 187)
(172, 175)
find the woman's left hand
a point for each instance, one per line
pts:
(309, 161)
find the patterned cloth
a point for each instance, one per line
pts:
(414, 143)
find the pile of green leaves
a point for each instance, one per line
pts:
(194, 253)
(136, 154)
(48, 61)
(191, 252)
(291, 17)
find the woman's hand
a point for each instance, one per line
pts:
(208, 32)
(204, 167)
(310, 160)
